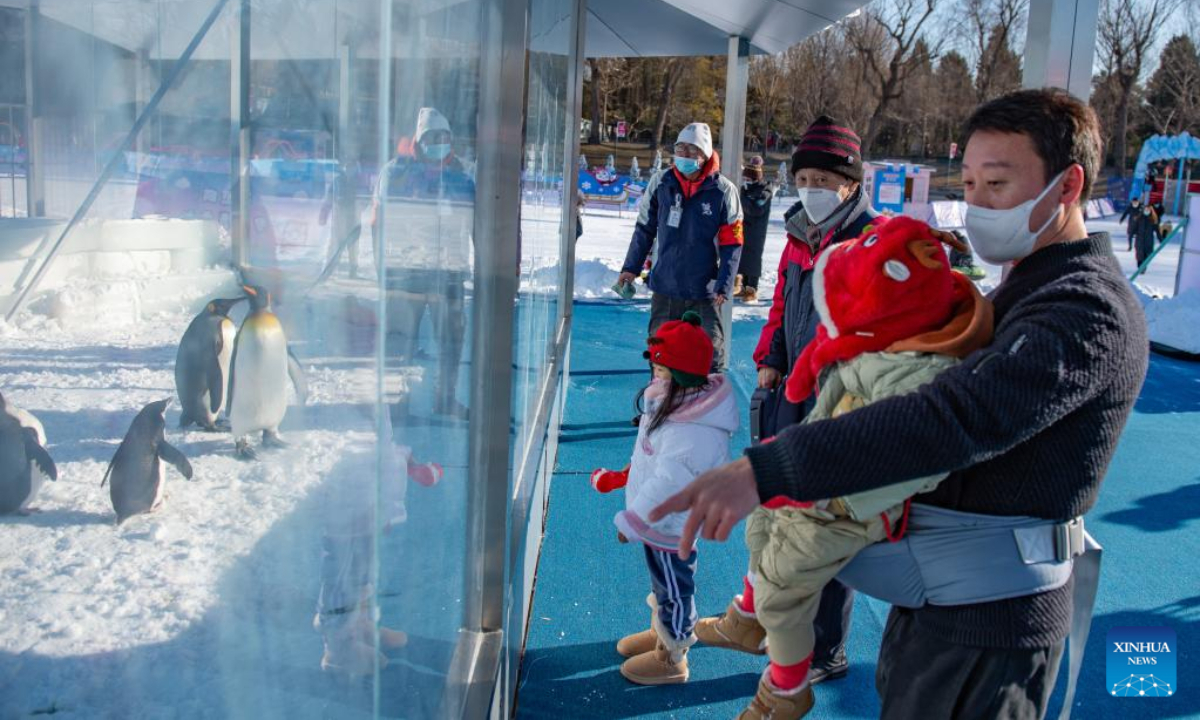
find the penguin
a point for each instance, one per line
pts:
(135, 470)
(202, 364)
(24, 462)
(258, 376)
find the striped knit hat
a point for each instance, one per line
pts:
(829, 145)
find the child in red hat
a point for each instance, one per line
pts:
(893, 315)
(688, 418)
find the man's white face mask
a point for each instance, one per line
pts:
(1001, 236)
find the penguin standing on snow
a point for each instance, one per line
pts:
(136, 470)
(259, 374)
(24, 462)
(202, 364)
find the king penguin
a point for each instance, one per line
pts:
(259, 376)
(24, 462)
(202, 364)
(136, 470)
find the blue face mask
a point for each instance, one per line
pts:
(686, 165)
(437, 152)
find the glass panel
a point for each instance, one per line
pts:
(343, 550)
(541, 214)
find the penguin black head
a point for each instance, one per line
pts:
(153, 412)
(260, 297)
(222, 306)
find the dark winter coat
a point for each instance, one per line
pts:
(793, 319)
(698, 259)
(1142, 225)
(1026, 426)
(756, 212)
(1131, 212)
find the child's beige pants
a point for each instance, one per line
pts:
(794, 552)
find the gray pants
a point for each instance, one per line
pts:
(664, 308)
(922, 676)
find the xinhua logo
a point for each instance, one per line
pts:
(1141, 662)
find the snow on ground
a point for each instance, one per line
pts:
(86, 387)
(77, 586)
(600, 253)
(1174, 321)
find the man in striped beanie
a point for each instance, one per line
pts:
(827, 169)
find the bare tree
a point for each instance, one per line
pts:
(1173, 93)
(885, 42)
(768, 84)
(994, 26)
(1127, 33)
(671, 76)
(595, 80)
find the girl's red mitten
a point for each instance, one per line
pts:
(605, 480)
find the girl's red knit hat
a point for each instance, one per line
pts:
(683, 346)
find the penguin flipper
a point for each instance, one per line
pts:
(216, 388)
(35, 452)
(170, 454)
(299, 380)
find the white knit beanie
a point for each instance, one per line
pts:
(699, 135)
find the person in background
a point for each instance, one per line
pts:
(428, 197)
(694, 214)
(1145, 231)
(832, 209)
(1132, 211)
(756, 209)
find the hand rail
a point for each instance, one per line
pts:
(118, 157)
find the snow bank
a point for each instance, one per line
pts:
(1173, 321)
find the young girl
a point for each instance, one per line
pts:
(688, 417)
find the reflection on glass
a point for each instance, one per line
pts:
(315, 564)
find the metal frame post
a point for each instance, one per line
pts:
(239, 137)
(35, 162)
(1060, 45)
(733, 133)
(570, 189)
(500, 142)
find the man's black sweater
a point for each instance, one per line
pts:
(1026, 426)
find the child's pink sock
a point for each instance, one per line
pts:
(746, 604)
(790, 677)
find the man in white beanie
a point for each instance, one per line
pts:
(695, 216)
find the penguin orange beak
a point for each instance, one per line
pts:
(249, 290)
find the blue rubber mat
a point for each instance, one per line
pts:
(591, 589)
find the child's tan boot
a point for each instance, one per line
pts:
(771, 703)
(637, 643)
(644, 641)
(734, 630)
(666, 664)
(661, 666)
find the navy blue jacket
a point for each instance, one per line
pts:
(698, 259)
